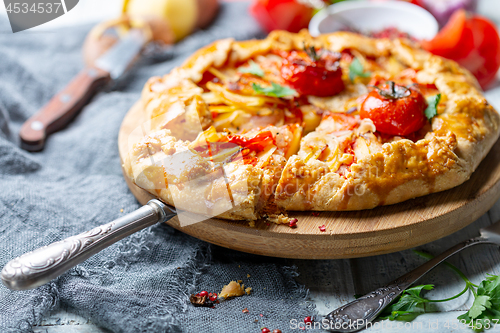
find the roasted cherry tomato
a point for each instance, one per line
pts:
(395, 109)
(472, 41)
(287, 15)
(313, 72)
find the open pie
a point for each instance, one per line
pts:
(251, 129)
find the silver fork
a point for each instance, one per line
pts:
(356, 315)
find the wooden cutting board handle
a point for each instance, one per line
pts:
(62, 108)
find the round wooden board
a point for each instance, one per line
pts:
(348, 234)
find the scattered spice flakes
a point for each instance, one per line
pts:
(213, 297)
(245, 310)
(202, 301)
(203, 298)
(322, 228)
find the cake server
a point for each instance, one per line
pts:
(38, 267)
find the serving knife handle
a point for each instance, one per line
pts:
(62, 108)
(356, 315)
(38, 267)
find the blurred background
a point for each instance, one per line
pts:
(181, 19)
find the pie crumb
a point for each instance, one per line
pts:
(248, 290)
(233, 289)
(279, 219)
(248, 275)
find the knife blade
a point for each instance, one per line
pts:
(66, 104)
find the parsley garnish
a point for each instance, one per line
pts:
(356, 69)
(486, 306)
(484, 310)
(275, 90)
(254, 69)
(432, 103)
(409, 305)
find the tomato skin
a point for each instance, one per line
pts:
(322, 77)
(473, 42)
(484, 59)
(399, 116)
(281, 14)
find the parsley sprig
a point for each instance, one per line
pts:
(484, 310)
(486, 306)
(356, 70)
(432, 103)
(254, 69)
(275, 90)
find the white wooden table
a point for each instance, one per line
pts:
(335, 282)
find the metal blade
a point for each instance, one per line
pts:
(119, 57)
(492, 232)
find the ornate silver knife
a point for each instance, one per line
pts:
(38, 267)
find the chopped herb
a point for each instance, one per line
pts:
(432, 103)
(485, 309)
(254, 69)
(356, 69)
(275, 90)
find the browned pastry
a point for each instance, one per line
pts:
(244, 129)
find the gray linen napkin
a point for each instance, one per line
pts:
(143, 282)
